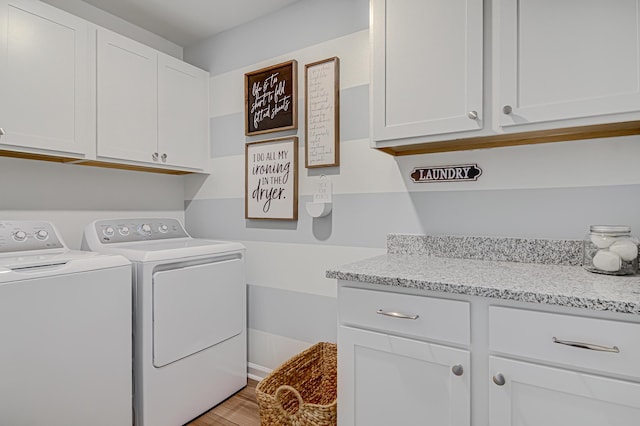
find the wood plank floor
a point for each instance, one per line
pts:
(241, 409)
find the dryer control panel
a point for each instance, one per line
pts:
(23, 235)
(133, 230)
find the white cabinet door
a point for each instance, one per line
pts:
(566, 59)
(535, 395)
(44, 78)
(427, 67)
(386, 380)
(183, 119)
(127, 99)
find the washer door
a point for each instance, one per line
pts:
(196, 307)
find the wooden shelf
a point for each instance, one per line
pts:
(132, 167)
(92, 163)
(525, 138)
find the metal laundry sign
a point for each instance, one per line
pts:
(460, 173)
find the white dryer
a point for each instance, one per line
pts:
(190, 344)
(65, 331)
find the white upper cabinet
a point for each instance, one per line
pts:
(152, 108)
(70, 90)
(44, 80)
(127, 96)
(556, 70)
(183, 112)
(426, 67)
(558, 60)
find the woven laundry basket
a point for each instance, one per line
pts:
(302, 391)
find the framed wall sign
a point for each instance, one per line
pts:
(271, 179)
(270, 96)
(322, 113)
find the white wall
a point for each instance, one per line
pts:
(538, 191)
(72, 196)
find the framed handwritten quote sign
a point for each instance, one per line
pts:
(322, 113)
(271, 99)
(271, 179)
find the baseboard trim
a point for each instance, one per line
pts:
(257, 372)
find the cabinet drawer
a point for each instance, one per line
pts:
(595, 344)
(430, 318)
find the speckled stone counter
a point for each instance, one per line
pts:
(564, 284)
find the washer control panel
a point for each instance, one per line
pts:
(132, 230)
(23, 235)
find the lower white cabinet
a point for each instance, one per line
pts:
(529, 394)
(393, 368)
(552, 369)
(389, 380)
(413, 359)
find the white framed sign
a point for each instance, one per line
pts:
(322, 113)
(271, 179)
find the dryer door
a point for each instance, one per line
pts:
(196, 307)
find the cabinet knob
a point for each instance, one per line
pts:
(154, 156)
(473, 115)
(1, 131)
(457, 370)
(499, 380)
(507, 109)
(164, 157)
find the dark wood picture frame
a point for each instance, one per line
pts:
(322, 113)
(271, 99)
(271, 179)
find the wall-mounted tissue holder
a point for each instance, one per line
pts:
(322, 203)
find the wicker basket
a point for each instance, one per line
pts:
(302, 391)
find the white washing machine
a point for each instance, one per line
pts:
(65, 331)
(190, 344)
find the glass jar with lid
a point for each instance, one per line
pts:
(610, 249)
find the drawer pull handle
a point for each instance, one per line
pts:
(397, 315)
(589, 346)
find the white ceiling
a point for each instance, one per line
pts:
(186, 22)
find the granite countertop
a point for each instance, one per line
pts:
(564, 284)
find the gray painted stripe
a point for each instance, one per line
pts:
(301, 316)
(364, 220)
(227, 131)
(302, 24)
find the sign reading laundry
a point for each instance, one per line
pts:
(464, 172)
